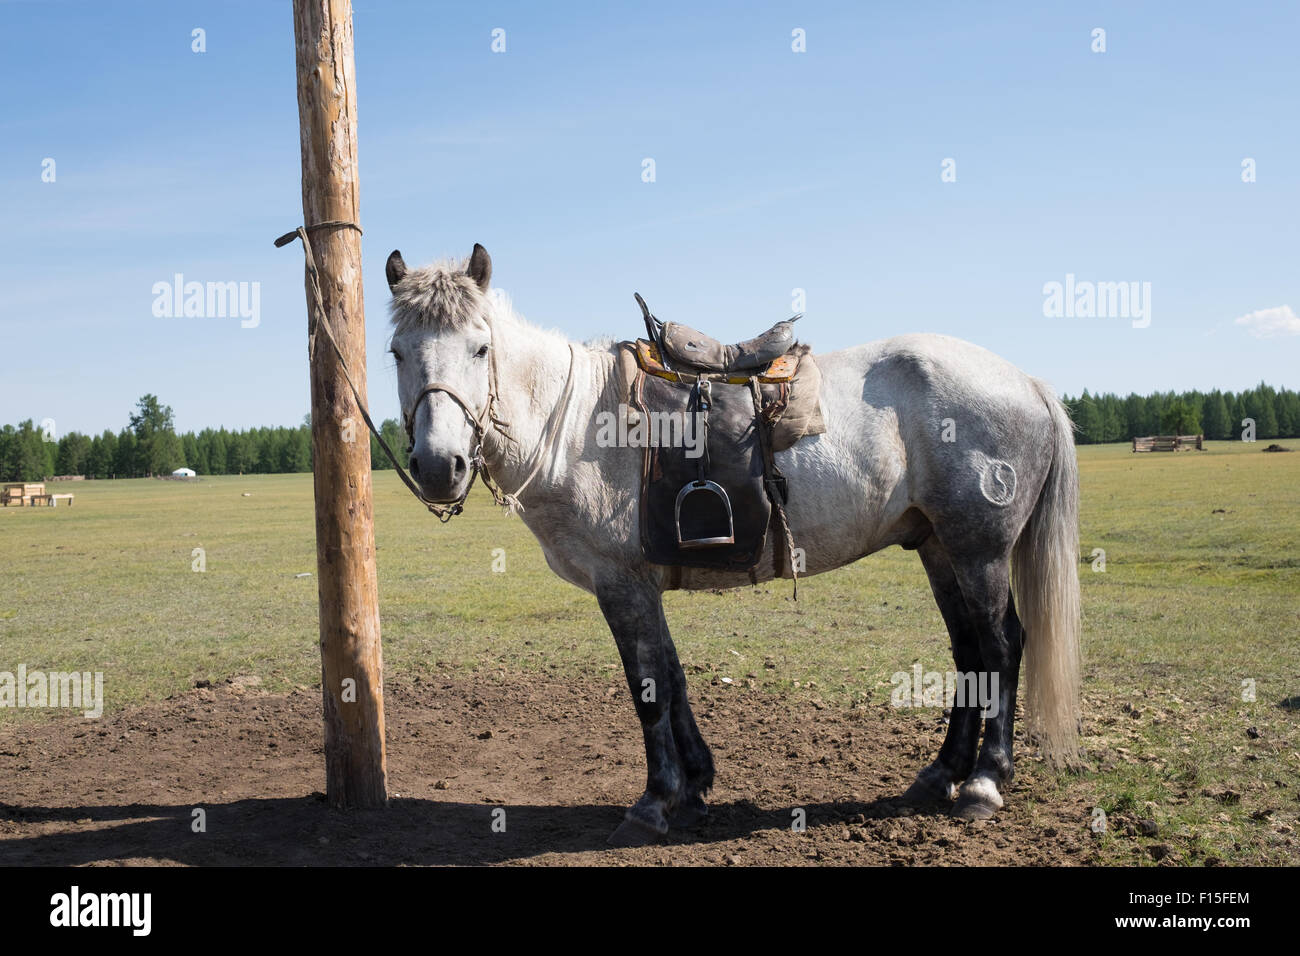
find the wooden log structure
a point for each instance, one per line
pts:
(351, 655)
(1169, 443)
(22, 493)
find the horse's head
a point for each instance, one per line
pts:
(441, 342)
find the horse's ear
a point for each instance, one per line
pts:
(395, 269)
(480, 267)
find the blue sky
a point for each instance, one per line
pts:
(774, 170)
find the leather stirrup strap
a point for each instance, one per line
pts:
(775, 484)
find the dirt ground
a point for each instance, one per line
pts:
(563, 760)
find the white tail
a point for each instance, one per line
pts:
(1045, 577)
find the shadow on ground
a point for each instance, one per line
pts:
(303, 831)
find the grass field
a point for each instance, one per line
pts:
(1199, 600)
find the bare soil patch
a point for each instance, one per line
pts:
(562, 759)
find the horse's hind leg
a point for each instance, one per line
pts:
(633, 608)
(957, 755)
(692, 751)
(987, 589)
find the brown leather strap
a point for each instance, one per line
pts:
(774, 483)
(409, 417)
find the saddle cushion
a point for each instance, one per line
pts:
(646, 356)
(795, 375)
(687, 346)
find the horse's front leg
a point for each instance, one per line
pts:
(633, 609)
(692, 751)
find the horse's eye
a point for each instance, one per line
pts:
(396, 355)
(483, 350)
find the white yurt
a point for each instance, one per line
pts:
(184, 473)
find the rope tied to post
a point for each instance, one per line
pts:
(318, 312)
(319, 320)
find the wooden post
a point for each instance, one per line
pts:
(351, 654)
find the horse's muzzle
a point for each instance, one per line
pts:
(443, 477)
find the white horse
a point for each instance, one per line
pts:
(931, 443)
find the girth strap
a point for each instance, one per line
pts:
(777, 489)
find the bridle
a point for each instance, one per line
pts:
(481, 423)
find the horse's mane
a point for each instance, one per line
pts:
(442, 296)
(439, 296)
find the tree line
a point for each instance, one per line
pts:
(149, 445)
(1216, 415)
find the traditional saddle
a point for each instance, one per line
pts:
(711, 417)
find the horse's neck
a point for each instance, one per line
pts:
(532, 368)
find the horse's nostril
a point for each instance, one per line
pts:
(415, 467)
(459, 466)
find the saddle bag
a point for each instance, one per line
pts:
(703, 500)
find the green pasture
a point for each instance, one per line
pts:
(1198, 604)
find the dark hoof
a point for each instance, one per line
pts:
(973, 809)
(692, 813)
(634, 832)
(928, 791)
(979, 799)
(932, 785)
